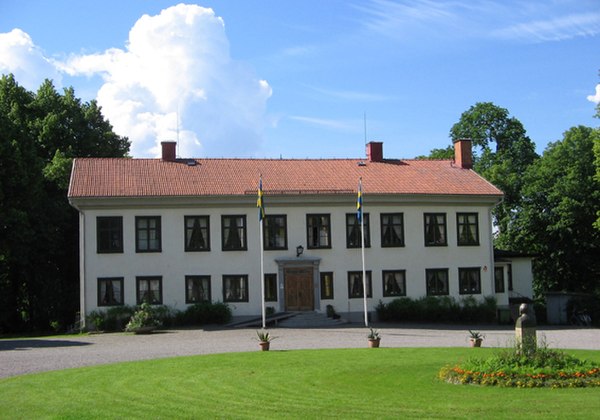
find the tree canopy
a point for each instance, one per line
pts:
(502, 153)
(40, 133)
(560, 200)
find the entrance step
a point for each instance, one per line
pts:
(310, 320)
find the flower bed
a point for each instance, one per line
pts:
(512, 368)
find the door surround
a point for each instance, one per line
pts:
(311, 263)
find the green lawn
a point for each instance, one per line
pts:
(348, 383)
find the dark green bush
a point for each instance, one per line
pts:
(442, 309)
(204, 313)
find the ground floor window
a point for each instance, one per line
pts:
(235, 288)
(394, 283)
(499, 279)
(469, 281)
(437, 281)
(270, 287)
(327, 285)
(355, 284)
(149, 290)
(197, 289)
(110, 291)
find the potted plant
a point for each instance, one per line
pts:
(374, 338)
(475, 338)
(143, 321)
(264, 339)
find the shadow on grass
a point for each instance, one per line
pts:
(29, 344)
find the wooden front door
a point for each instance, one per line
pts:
(299, 289)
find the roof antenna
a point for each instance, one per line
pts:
(362, 162)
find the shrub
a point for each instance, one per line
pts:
(205, 313)
(438, 309)
(144, 316)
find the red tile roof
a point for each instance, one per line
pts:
(107, 177)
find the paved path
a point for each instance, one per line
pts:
(22, 356)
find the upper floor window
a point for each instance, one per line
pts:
(109, 234)
(437, 281)
(110, 291)
(235, 288)
(467, 228)
(233, 233)
(197, 233)
(318, 231)
(147, 234)
(270, 287)
(392, 229)
(394, 283)
(355, 284)
(469, 281)
(326, 285)
(275, 230)
(353, 231)
(149, 290)
(197, 289)
(435, 229)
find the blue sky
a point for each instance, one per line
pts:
(270, 78)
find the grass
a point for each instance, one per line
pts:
(347, 383)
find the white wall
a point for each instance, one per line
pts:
(173, 263)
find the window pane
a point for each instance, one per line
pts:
(233, 232)
(271, 287)
(318, 234)
(110, 291)
(469, 280)
(394, 283)
(437, 282)
(468, 228)
(197, 233)
(499, 279)
(353, 231)
(355, 284)
(435, 229)
(197, 289)
(109, 234)
(275, 228)
(147, 234)
(326, 285)
(235, 288)
(149, 289)
(392, 230)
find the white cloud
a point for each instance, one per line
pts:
(555, 29)
(595, 98)
(176, 68)
(19, 56)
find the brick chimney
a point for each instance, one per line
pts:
(375, 151)
(463, 156)
(168, 151)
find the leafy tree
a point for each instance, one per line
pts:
(447, 153)
(561, 196)
(40, 133)
(488, 125)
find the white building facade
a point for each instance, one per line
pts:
(181, 231)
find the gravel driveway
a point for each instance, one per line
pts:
(22, 356)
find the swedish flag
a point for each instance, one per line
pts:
(359, 209)
(259, 202)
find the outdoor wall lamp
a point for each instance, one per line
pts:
(299, 250)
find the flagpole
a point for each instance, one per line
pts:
(362, 249)
(261, 215)
(262, 275)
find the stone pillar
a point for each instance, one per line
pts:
(525, 331)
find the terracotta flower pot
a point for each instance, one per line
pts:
(374, 343)
(476, 342)
(264, 345)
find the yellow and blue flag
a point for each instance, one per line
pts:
(259, 202)
(359, 209)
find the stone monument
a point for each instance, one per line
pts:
(525, 331)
